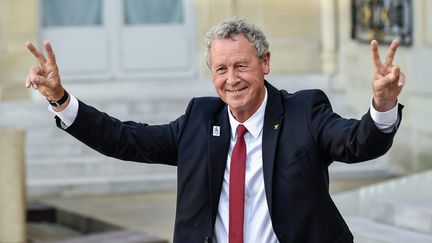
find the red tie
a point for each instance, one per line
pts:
(237, 187)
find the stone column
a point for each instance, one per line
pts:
(12, 187)
(328, 36)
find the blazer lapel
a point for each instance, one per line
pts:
(272, 125)
(219, 133)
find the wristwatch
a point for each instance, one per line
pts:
(61, 101)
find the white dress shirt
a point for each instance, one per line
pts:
(257, 223)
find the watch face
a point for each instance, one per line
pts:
(53, 103)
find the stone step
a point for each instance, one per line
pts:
(23, 115)
(50, 150)
(368, 231)
(90, 166)
(47, 224)
(412, 213)
(59, 164)
(27, 115)
(150, 97)
(44, 232)
(139, 90)
(119, 236)
(377, 168)
(346, 177)
(40, 187)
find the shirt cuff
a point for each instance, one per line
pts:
(68, 115)
(385, 121)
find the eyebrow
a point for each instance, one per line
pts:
(218, 66)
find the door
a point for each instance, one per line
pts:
(154, 36)
(120, 38)
(78, 33)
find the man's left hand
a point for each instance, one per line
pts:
(388, 79)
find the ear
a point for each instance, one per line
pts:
(266, 62)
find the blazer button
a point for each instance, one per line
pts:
(206, 239)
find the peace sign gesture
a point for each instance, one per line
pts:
(388, 79)
(45, 76)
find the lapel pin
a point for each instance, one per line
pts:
(216, 131)
(276, 126)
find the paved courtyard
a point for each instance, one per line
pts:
(152, 213)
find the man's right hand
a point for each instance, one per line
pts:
(45, 76)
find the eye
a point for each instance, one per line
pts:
(241, 67)
(220, 70)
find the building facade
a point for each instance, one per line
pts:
(109, 40)
(130, 45)
(411, 151)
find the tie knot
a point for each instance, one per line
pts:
(241, 131)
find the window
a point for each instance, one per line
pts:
(71, 12)
(139, 12)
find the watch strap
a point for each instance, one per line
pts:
(61, 101)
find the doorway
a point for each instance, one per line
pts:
(120, 38)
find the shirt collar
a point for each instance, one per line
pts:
(254, 124)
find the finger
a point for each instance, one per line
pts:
(391, 53)
(30, 83)
(375, 55)
(27, 81)
(401, 81)
(36, 70)
(33, 77)
(50, 53)
(396, 72)
(36, 53)
(37, 80)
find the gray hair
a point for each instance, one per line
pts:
(230, 28)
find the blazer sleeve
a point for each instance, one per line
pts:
(128, 140)
(347, 140)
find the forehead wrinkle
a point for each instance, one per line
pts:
(230, 52)
(231, 61)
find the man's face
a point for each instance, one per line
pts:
(238, 75)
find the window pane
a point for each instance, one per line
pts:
(71, 12)
(152, 12)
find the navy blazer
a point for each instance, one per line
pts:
(302, 136)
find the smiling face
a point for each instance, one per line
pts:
(238, 75)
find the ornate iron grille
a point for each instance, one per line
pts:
(383, 20)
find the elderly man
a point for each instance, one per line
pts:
(252, 163)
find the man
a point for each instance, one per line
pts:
(252, 163)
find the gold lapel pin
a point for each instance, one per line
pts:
(276, 126)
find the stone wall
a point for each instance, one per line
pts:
(12, 186)
(411, 151)
(18, 24)
(292, 27)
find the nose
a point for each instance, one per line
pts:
(232, 77)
